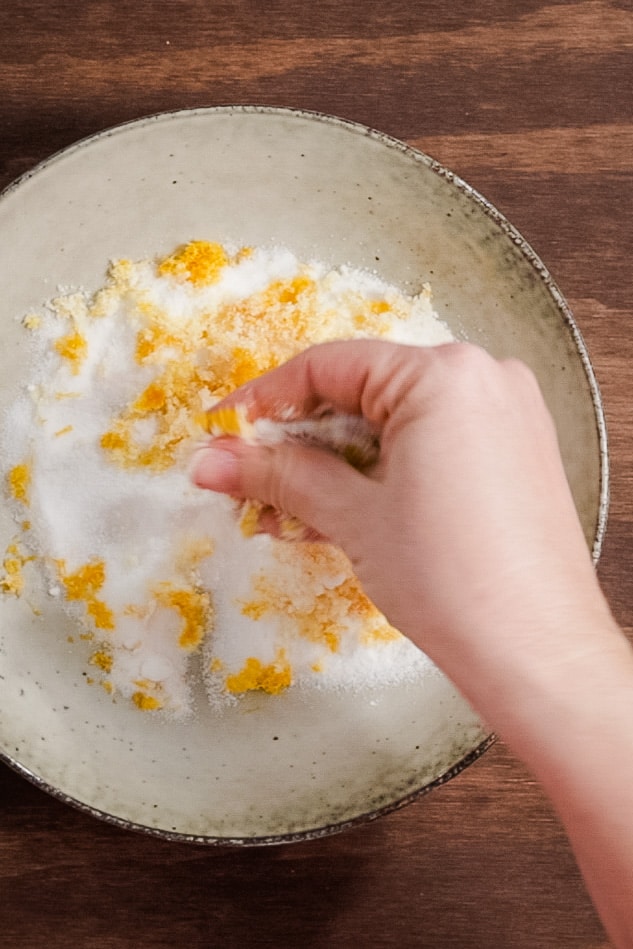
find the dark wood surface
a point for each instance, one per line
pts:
(531, 102)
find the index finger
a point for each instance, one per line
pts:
(348, 376)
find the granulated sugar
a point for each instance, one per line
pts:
(153, 570)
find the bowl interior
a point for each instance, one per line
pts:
(293, 764)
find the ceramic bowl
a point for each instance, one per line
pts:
(283, 767)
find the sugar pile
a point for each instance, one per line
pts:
(153, 570)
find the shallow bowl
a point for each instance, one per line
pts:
(282, 767)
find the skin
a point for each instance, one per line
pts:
(465, 535)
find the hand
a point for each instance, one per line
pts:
(466, 536)
(465, 527)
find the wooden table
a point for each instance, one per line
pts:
(530, 102)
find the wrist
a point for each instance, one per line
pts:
(558, 706)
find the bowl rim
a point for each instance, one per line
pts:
(313, 833)
(565, 312)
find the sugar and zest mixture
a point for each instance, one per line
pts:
(168, 582)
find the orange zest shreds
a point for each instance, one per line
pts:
(172, 401)
(72, 347)
(230, 420)
(145, 684)
(250, 518)
(243, 254)
(67, 395)
(317, 612)
(19, 482)
(382, 633)
(193, 607)
(26, 525)
(256, 676)
(256, 609)
(146, 703)
(216, 665)
(289, 291)
(244, 366)
(313, 622)
(358, 602)
(151, 400)
(13, 580)
(84, 582)
(112, 441)
(101, 614)
(32, 321)
(101, 659)
(151, 339)
(63, 431)
(199, 262)
(367, 321)
(107, 686)
(266, 328)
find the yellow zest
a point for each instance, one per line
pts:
(229, 420)
(199, 262)
(381, 633)
(245, 366)
(72, 347)
(151, 400)
(84, 584)
(146, 703)
(255, 676)
(150, 340)
(101, 614)
(13, 580)
(194, 608)
(19, 482)
(32, 321)
(289, 291)
(249, 521)
(101, 659)
(169, 401)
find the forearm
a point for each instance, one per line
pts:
(572, 724)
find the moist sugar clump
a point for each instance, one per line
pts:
(164, 581)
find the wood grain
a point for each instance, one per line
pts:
(530, 102)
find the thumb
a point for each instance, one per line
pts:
(321, 489)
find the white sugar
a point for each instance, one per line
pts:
(154, 570)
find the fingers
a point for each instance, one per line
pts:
(361, 377)
(313, 485)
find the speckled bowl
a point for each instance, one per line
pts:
(285, 767)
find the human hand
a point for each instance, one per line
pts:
(464, 528)
(466, 522)
(465, 535)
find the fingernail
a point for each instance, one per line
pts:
(215, 467)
